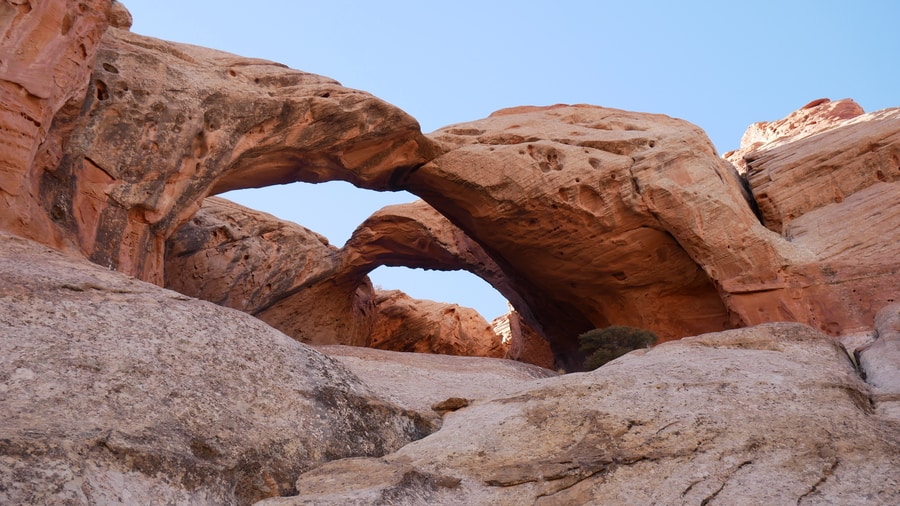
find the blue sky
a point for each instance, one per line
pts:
(720, 65)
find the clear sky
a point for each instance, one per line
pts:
(719, 64)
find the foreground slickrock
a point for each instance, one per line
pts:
(115, 391)
(773, 414)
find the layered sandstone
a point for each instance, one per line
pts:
(46, 57)
(163, 125)
(781, 418)
(603, 217)
(118, 391)
(817, 116)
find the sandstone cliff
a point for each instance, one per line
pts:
(118, 391)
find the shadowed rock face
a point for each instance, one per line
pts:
(47, 52)
(291, 278)
(164, 125)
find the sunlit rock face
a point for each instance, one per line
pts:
(163, 125)
(602, 217)
(829, 184)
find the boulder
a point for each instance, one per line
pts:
(771, 414)
(164, 125)
(118, 391)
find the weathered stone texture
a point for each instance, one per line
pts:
(118, 391)
(166, 124)
(46, 55)
(772, 414)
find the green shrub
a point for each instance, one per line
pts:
(602, 345)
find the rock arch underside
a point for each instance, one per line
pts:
(582, 216)
(126, 373)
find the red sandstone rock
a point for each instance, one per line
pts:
(165, 124)
(602, 217)
(291, 278)
(424, 326)
(814, 117)
(800, 175)
(46, 54)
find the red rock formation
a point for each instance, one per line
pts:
(291, 278)
(814, 117)
(424, 326)
(800, 175)
(46, 55)
(165, 124)
(601, 217)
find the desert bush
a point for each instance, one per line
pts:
(602, 345)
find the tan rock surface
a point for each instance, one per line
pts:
(117, 391)
(603, 217)
(47, 51)
(418, 381)
(773, 414)
(880, 361)
(817, 116)
(166, 124)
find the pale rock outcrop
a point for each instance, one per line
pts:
(880, 361)
(164, 125)
(772, 414)
(115, 391)
(47, 52)
(437, 378)
(817, 116)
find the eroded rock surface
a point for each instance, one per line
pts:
(603, 217)
(118, 391)
(291, 278)
(772, 414)
(47, 52)
(802, 175)
(164, 125)
(424, 326)
(817, 116)
(880, 361)
(419, 381)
